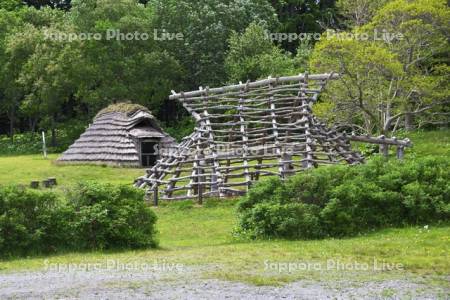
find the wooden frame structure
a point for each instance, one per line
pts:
(246, 131)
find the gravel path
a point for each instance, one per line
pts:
(188, 284)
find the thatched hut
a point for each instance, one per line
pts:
(122, 134)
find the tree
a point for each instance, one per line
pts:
(252, 55)
(367, 71)
(31, 67)
(304, 16)
(358, 12)
(423, 51)
(10, 92)
(42, 70)
(11, 5)
(113, 68)
(62, 4)
(206, 27)
(393, 79)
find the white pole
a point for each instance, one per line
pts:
(44, 146)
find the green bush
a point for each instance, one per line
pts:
(22, 144)
(31, 143)
(30, 221)
(346, 200)
(292, 220)
(180, 129)
(93, 217)
(108, 216)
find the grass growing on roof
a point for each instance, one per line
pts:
(123, 107)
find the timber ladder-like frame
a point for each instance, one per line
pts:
(246, 131)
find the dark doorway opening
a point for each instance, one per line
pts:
(149, 154)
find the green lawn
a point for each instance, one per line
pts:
(424, 143)
(204, 235)
(25, 168)
(430, 142)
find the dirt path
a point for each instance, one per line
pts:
(188, 284)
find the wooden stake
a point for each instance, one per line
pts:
(400, 152)
(384, 149)
(44, 146)
(200, 194)
(155, 195)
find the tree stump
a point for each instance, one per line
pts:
(34, 184)
(52, 181)
(46, 184)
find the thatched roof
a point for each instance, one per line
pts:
(111, 139)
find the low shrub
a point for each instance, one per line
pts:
(92, 217)
(31, 221)
(346, 200)
(23, 144)
(31, 143)
(108, 216)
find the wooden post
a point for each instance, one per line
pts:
(155, 188)
(400, 152)
(384, 149)
(155, 195)
(307, 161)
(195, 185)
(260, 160)
(225, 177)
(200, 193)
(243, 131)
(214, 187)
(287, 165)
(44, 146)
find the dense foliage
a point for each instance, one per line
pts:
(31, 143)
(62, 61)
(394, 65)
(91, 217)
(341, 201)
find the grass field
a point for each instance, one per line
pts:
(25, 168)
(203, 236)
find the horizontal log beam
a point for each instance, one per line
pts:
(259, 83)
(381, 140)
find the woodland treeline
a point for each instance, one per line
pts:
(393, 57)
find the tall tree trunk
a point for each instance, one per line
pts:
(12, 118)
(32, 125)
(11, 129)
(409, 122)
(53, 142)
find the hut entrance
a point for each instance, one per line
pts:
(149, 154)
